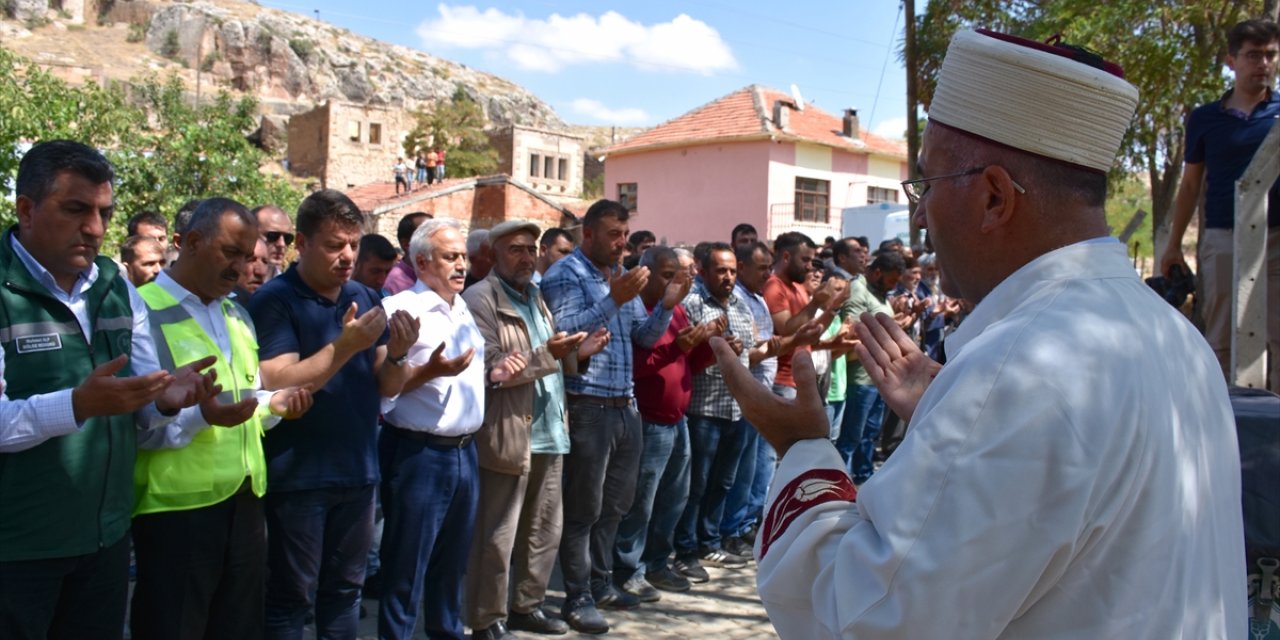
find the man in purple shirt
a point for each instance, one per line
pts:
(402, 276)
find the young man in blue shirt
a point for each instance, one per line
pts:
(1222, 138)
(318, 329)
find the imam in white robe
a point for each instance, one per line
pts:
(1072, 472)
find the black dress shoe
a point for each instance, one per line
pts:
(537, 621)
(583, 617)
(496, 631)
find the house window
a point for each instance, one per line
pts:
(628, 194)
(375, 133)
(353, 130)
(877, 195)
(549, 168)
(811, 200)
(535, 165)
(564, 169)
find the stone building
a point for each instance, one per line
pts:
(550, 162)
(346, 145)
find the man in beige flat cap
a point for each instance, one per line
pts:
(1071, 471)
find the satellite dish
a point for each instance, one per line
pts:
(795, 95)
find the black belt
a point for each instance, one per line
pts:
(601, 400)
(453, 442)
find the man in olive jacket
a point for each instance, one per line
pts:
(522, 443)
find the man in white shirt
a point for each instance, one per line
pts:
(1074, 461)
(427, 450)
(199, 529)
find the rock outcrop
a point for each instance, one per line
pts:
(292, 62)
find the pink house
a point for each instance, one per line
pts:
(752, 156)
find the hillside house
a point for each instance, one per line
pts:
(550, 162)
(346, 145)
(752, 156)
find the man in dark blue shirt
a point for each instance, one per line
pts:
(1222, 138)
(317, 328)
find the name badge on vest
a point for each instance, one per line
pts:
(38, 343)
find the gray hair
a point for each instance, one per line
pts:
(476, 238)
(682, 252)
(420, 243)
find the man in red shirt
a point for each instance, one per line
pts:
(664, 386)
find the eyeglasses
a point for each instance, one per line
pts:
(273, 236)
(915, 189)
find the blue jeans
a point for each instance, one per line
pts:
(645, 534)
(317, 544)
(429, 497)
(835, 413)
(716, 444)
(861, 444)
(766, 462)
(858, 407)
(737, 517)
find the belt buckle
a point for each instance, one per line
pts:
(464, 441)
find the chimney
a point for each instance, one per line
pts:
(851, 123)
(781, 113)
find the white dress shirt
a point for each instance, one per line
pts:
(445, 406)
(190, 421)
(29, 422)
(1072, 472)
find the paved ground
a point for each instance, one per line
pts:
(727, 608)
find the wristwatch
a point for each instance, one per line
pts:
(397, 361)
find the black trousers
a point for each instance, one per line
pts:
(201, 572)
(80, 597)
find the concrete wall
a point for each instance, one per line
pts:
(849, 175)
(690, 194)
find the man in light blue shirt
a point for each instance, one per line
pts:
(586, 291)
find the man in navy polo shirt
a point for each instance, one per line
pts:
(1222, 138)
(317, 328)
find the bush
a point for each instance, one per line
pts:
(264, 39)
(171, 47)
(206, 65)
(137, 32)
(303, 47)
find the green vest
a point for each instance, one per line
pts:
(213, 466)
(70, 495)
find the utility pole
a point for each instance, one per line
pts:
(913, 127)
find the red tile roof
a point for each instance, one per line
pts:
(370, 196)
(747, 114)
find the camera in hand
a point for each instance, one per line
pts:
(1175, 288)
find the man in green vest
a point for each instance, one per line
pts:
(199, 531)
(79, 377)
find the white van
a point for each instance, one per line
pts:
(878, 222)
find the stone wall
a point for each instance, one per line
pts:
(308, 148)
(481, 207)
(364, 143)
(559, 157)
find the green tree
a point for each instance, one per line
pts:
(1171, 50)
(458, 127)
(165, 150)
(187, 151)
(36, 106)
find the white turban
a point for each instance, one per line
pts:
(1021, 94)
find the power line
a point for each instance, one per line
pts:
(888, 50)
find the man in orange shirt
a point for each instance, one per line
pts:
(792, 308)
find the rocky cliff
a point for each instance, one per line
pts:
(288, 61)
